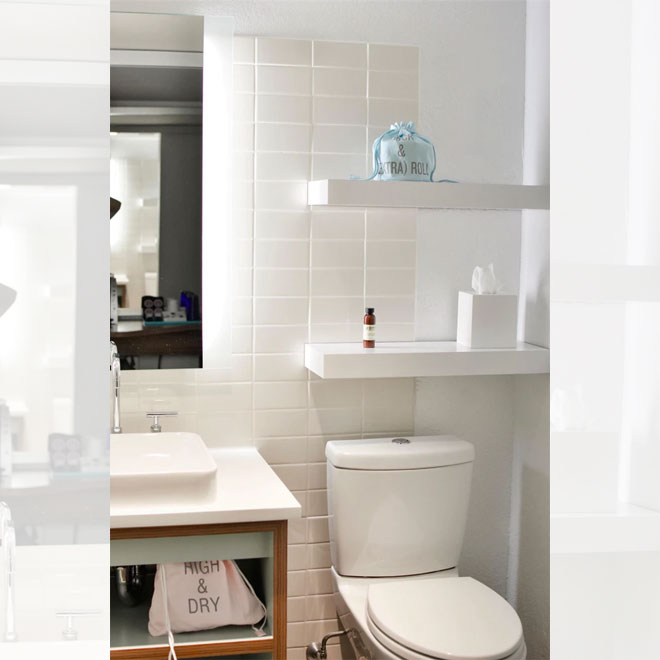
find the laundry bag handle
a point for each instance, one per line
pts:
(170, 636)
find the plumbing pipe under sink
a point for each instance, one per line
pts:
(130, 584)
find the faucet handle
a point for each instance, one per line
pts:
(70, 633)
(156, 427)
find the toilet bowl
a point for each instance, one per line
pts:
(438, 615)
(397, 512)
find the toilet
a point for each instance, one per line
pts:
(397, 511)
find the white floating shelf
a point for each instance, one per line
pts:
(422, 359)
(426, 195)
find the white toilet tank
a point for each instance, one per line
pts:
(397, 506)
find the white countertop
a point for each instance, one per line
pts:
(247, 491)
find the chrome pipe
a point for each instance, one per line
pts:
(316, 651)
(129, 584)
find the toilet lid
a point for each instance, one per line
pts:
(451, 618)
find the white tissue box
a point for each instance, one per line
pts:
(487, 320)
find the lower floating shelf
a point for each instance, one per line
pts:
(423, 359)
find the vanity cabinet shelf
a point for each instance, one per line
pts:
(129, 636)
(425, 195)
(262, 542)
(423, 359)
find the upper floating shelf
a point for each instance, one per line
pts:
(423, 359)
(425, 195)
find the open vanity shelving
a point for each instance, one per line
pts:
(246, 522)
(261, 541)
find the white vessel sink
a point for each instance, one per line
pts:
(159, 467)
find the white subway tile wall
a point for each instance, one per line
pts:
(303, 110)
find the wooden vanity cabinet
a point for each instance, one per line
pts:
(264, 542)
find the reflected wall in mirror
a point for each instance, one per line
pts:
(156, 175)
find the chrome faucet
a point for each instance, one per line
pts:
(155, 426)
(70, 634)
(8, 541)
(115, 368)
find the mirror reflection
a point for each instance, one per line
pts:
(156, 197)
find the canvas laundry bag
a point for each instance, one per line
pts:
(402, 154)
(201, 595)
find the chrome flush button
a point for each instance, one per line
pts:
(401, 441)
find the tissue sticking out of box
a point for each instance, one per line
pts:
(484, 280)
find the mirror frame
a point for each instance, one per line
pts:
(179, 32)
(217, 158)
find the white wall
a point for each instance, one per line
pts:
(303, 109)
(641, 425)
(507, 419)
(480, 410)
(471, 88)
(529, 545)
(471, 68)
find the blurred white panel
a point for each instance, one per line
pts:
(590, 117)
(626, 528)
(19, 162)
(39, 333)
(53, 341)
(54, 32)
(24, 72)
(576, 454)
(605, 605)
(641, 427)
(605, 524)
(644, 228)
(46, 112)
(586, 366)
(605, 282)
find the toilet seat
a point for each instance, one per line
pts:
(445, 618)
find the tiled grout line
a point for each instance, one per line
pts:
(310, 236)
(254, 233)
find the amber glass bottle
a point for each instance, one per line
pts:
(369, 329)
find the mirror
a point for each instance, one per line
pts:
(156, 99)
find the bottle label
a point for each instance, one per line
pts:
(368, 332)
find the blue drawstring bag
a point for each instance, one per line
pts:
(402, 154)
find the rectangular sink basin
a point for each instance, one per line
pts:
(160, 468)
